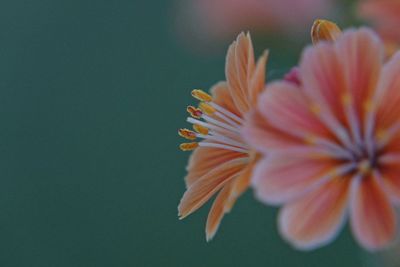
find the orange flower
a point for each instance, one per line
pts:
(222, 162)
(332, 144)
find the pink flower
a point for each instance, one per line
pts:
(332, 144)
(385, 17)
(384, 14)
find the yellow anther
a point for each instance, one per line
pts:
(324, 30)
(381, 135)
(194, 112)
(310, 139)
(188, 134)
(368, 105)
(200, 129)
(201, 95)
(206, 108)
(316, 109)
(188, 146)
(364, 167)
(347, 99)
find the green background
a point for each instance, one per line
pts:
(91, 96)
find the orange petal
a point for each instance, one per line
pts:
(257, 81)
(217, 211)
(373, 219)
(204, 160)
(240, 185)
(239, 65)
(202, 189)
(317, 218)
(278, 179)
(222, 97)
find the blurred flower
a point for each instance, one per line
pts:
(332, 144)
(213, 20)
(385, 17)
(223, 161)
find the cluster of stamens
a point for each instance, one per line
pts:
(217, 126)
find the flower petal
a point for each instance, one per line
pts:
(218, 209)
(323, 81)
(223, 97)
(373, 220)
(205, 159)
(257, 81)
(388, 94)
(361, 55)
(259, 133)
(286, 108)
(202, 189)
(278, 179)
(239, 70)
(315, 219)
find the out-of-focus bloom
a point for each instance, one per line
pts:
(385, 17)
(332, 144)
(213, 20)
(223, 161)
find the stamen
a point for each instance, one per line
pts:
(215, 145)
(200, 129)
(364, 167)
(206, 108)
(188, 146)
(188, 134)
(223, 139)
(194, 112)
(201, 95)
(210, 126)
(227, 112)
(221, 124)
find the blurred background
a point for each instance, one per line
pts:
(91, 96)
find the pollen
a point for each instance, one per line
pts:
(310, 139)
(364, 167)
(368, 105)
(206, 108)
(381, 135)
(188, 146)
(188, 134)
(201, 95)
(200, 129)
(194, 112)
(347, 99)
(315, 108)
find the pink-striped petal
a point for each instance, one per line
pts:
(317, 218)
(361, 55)
(323, 80)
(259, 134)
(278, 179)
(373, 219)
(388, 94)
(285, 106)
